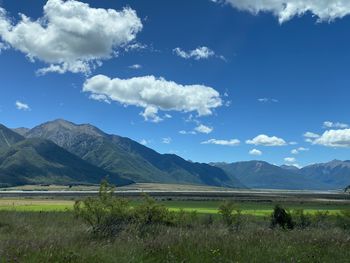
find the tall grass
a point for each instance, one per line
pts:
(61, 237)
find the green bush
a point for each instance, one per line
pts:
(280, 217)
(231, 215)
(301, 220)
(320, 219)
(150, 213)
(185, 219)
(343, 220)
(106, 214)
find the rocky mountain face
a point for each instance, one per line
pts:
(126, 157)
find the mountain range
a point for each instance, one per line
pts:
(61, 152)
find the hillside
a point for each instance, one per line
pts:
(38, 161)
(8, 137)
(126, 157)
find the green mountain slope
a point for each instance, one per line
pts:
(38, 161)
(126, 157)
(8, 137)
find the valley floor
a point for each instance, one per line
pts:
(43, 228)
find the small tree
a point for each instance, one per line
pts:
(106, 214)
(280, 217)
(231, 215)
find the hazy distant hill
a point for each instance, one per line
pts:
(335, 173)
(259, 174)
(126, 157)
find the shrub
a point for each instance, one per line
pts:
(106, 214)
(320, 219)
(343, 220)
(301, 219)
(150, 213)
(280, 217)
(231, 215)
(185, 219)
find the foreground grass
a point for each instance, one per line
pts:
(59, 237)
(201, 207)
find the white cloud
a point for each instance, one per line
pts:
(183, 132)
(203, 129)
(290, 160)
(154, 94)
(298, 150)
(335, 125)
(135, 66)
(266, 100)
(334, 138)
(197, 54)
(232, 142)
(255, 152)
(167, 140)
(71, 36)
(265, 140)
(324, 10)
(310, 136)
(22, 106)
(144, 142)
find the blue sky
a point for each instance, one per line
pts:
(262, 78)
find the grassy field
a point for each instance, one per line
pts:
(201, 207)
(60, 237)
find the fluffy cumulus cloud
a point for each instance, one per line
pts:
(232, 142)
(255, 152)
(203, 129)
(334, 125)
(71, 35)
(197, 54)
(154, 94)
(22, 106)
(324, 10)
(265, 140)
(334, 138)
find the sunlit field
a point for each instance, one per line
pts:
(201, 207)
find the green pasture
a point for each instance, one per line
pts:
(201, 207)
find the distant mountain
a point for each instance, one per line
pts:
(290, 168)
(335, 173)
(259, 174)
(38, 161)
(126, 157)
(21, 131)
(8, 137)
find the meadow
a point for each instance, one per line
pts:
(107, 228)
(199, 206)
